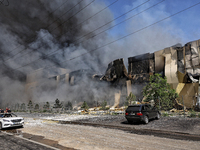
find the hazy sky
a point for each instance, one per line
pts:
(185, 24)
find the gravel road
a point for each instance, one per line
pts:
(174, 124)
(9, 142)
(98, 138)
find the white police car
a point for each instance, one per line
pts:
(10, 120)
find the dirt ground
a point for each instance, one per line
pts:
(98, 138)
(174, 124)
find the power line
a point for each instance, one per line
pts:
(97, 34)
(86, 20)
(92, 31)
(128, 34)
(113, 20)
(79, 25)
(64, 21)
(76, 26)
(95, 14)
(46, 27)
(126, 19)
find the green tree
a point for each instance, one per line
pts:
(85, 105)
(131, 99)
(36, 106)
(68, 106)
(23, 106)
(46, 106)
(103, 105)
(57, 104)
(159, 90)
(17, 106)
(30, 105)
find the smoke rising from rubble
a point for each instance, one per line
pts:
(30, 29)
(36, 32)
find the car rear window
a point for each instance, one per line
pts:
(133, 108)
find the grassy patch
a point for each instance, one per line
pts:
(199, 115)
(165, 114)
(192, 114)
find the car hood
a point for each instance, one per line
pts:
(13, 118)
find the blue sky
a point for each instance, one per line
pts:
(181, 28)
(185, 25)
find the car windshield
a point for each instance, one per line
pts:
(133, 108)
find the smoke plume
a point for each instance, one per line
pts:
(49, 33)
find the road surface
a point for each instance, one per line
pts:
(11, 142)
(98, 138)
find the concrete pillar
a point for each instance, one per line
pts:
(67, 78)
(117, 99)
(58, 78)
(198, 95)
(72, 80)
(129, 88)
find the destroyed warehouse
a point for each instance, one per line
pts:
(180, 64)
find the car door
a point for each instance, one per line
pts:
(155, 111)
(145, 110)
(150, 111)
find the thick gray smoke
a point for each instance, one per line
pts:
(45, 34)
(31, 27)
(49, 33)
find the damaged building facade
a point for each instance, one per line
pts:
(180, 64)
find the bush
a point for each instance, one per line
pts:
(30, 105)
(192, 114)
(165, 114)
(106, 108)
(46, 106)
(37, 106)
(85, 106)
(57, 104)
(131, 99)
(103, 105)
(199, 115)
(68, 106)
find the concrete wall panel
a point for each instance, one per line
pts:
(159, 61)
(181, 77)
(168, 67)
(174, 66)
(188, 94)
(129, 88)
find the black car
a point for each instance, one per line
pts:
(141, 112)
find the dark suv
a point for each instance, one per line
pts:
(141, 112)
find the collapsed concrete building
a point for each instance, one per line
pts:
(180, 64)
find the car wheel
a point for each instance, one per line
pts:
(146, 120)
(0, 125)
(158, 115)
(129, 121)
